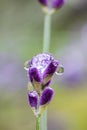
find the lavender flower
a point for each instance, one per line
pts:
(51, 5)
(40, 70)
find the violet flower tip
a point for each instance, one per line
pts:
(51, 68)
(34, 75)
(51, 6)
(46, 96)
(33, 98)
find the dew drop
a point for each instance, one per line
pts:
(60, 70)
(26, 65)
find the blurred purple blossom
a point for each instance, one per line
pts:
(74, 58)
(50, 6)
(11, 72)
(52, 3)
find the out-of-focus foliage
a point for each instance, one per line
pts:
(21, 31)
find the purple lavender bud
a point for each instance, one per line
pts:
(33, 98)
(51, 68)
(43, 2)
(57, 3)
(52, 3)
(34, 75)
(46, 96)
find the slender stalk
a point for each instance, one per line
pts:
(46, 47)
(47, 32)
(37, 123)
(44, 120)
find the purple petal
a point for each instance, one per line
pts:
(46, 96)
(52, 3)
(51, 68)
(43, 2)
(34, 75)
(33, 98)
(57, 3)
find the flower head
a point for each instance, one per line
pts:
(40, 70)
(51, 5)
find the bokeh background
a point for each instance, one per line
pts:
(21, 31)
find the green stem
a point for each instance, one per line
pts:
(47, 31)
(46, 47)
(37, 123)
(44, 120)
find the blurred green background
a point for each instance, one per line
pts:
(21, 32)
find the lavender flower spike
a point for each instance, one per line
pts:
(51, 4)
(46, 96)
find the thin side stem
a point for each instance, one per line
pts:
(44, 120)
(47, 33)
(46, 48)
(37, 123)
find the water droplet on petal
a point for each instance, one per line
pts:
(26, 65)
(60, 70)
